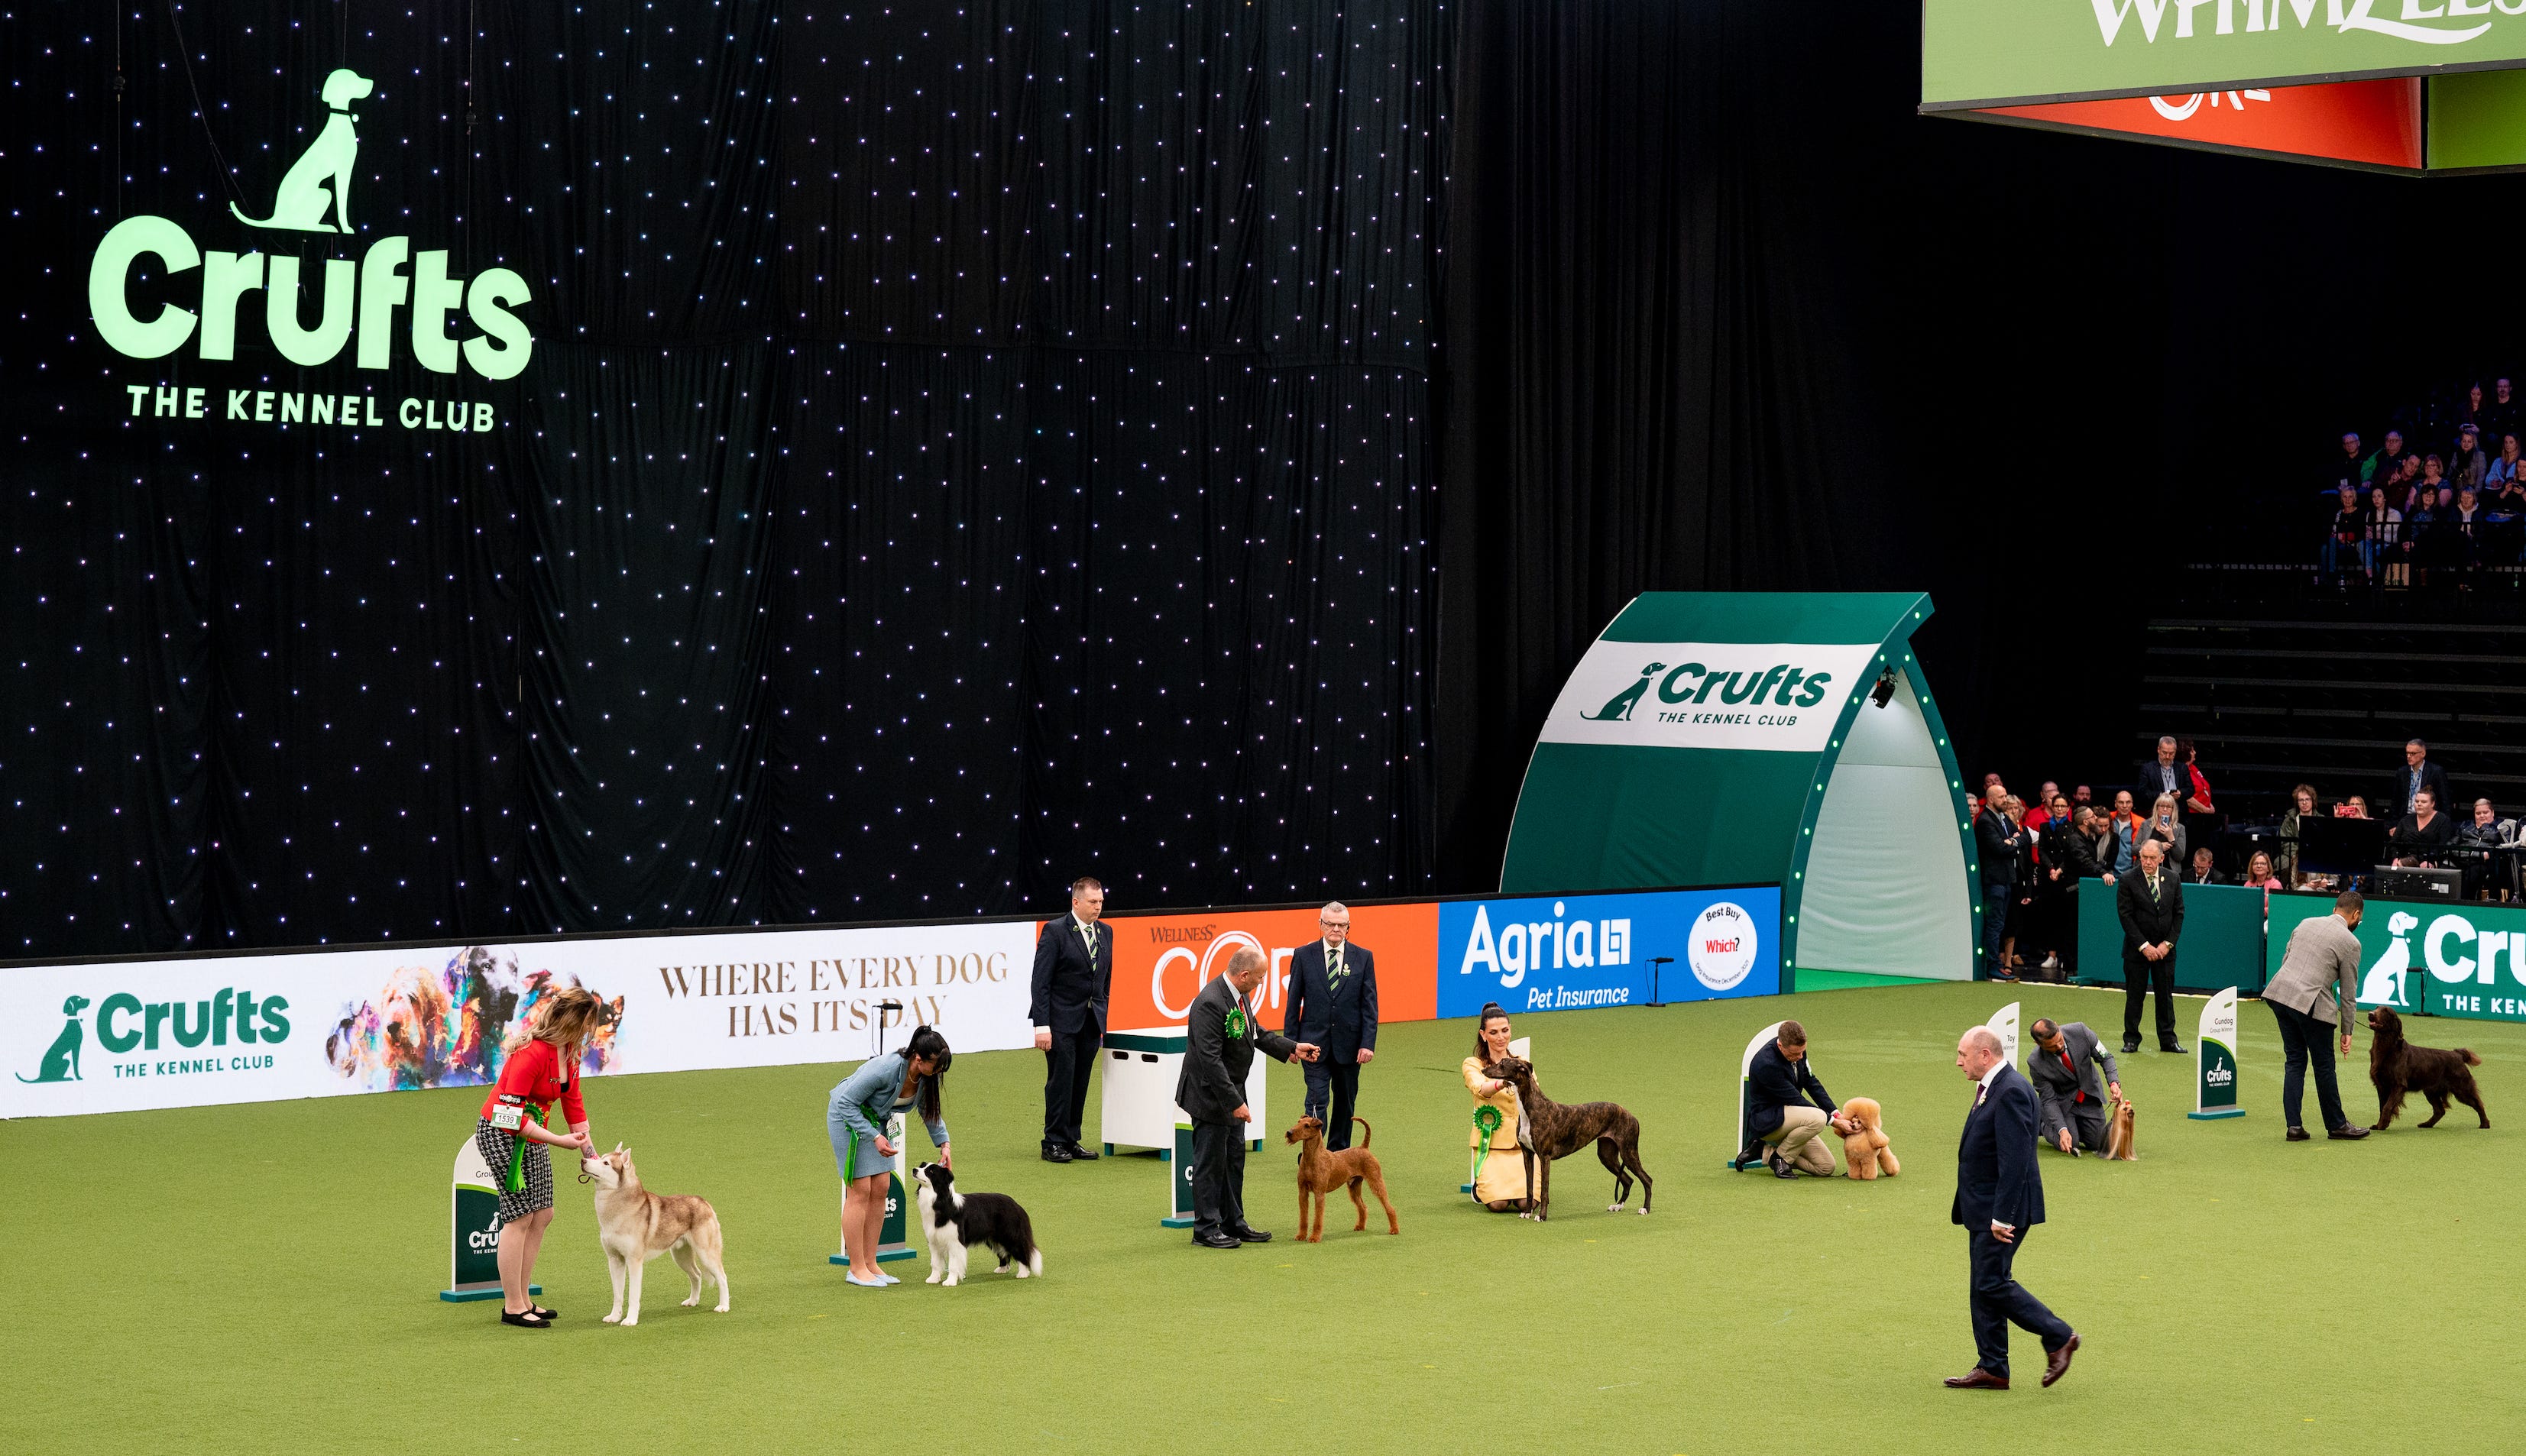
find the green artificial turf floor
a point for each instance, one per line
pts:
(265, 1278)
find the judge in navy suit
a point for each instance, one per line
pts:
(1999, 1199)
(1333, 1005)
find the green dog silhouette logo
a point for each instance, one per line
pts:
(61, 1061)
(320, 181)
(1618, 708)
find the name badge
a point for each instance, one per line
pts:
(507, 1119)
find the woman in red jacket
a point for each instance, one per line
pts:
(541, 1068)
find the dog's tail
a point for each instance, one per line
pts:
(1367, 1131)
(2465, 1055)
(1034, 1262)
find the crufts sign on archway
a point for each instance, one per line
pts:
(1780, 738)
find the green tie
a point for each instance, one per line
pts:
(2152, 889)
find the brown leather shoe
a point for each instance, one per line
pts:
(2349, 1132)
(1979, 1378)
(2056, 1363)
(2297, 1135)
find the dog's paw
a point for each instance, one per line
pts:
(1613, 1208)
(630, 1320)
(1642, 1210)
(949, 1284)
(935, 1276)
(721, 1308)
(613, 1319)
(688, 1303)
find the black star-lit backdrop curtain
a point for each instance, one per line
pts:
(964, 449)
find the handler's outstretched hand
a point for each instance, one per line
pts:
(1307, 1051)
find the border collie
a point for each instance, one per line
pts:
(956, 1224)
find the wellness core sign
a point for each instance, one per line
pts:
(127, 1036)
(1988, 52)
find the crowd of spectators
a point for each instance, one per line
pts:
(2030, 853)
(2433, 506)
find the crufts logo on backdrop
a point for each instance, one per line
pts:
(1761, 696)
(62, 1059)
(2464, 965)
(359, 298)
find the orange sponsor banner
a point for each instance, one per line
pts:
(1161, 962)
(2373, 122)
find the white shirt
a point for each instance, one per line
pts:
(1333, 956)
(1986, 1081)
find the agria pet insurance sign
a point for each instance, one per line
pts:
(1977, 53)
(165, 288)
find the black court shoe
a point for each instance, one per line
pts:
(549, 1314)
(527, 1320)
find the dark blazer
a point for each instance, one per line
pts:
(1775, 1082)
(2054, 1084)
(1343, 1020)
(2148, 786)
(2145, 923)
(1997, 843)
(1068, 991)
(2065, 851)
(1996, 1173)
(2398, 803)
(1212, 1084)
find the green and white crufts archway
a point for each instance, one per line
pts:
(1731, 737)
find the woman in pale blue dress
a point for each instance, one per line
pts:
(857, 1117)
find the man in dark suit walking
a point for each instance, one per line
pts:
(1999, 1199)
(2150, 905)
(1074, 963)
(1333, 1004)
(1220, 1039)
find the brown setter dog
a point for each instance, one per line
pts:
(1321, 1172)
(1548, 1130)
(2397, 1067)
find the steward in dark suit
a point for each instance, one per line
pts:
(1220, 1039)
(1999, 1199)
(2150, 904)
(1074, 964)
(2418, 774)
(1333, 1004)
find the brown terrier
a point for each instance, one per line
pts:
(1321, 1172)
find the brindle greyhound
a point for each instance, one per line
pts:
(1546, 1130)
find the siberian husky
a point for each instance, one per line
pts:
(636, 1226)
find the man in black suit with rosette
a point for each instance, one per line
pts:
(1999, 1199)
(1220, 1039)
(1074, 964)
(1333, 1004)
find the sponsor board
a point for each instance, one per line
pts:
(2426, 958)
(127, 1036)
(1161, 962)
(1990, 51)
(1776, 696)
(111, 1037)
(2377, 123)
(1567, 952)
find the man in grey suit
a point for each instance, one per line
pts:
(2313, 998)
(1220, 1039)
(2069, 1096)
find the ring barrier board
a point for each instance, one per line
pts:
(891, 1242)
(1745, 1089)
(2215, 1051)
(1137, 1105)
(474, 1230)
(1517, 1048)
(2003, 1023)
